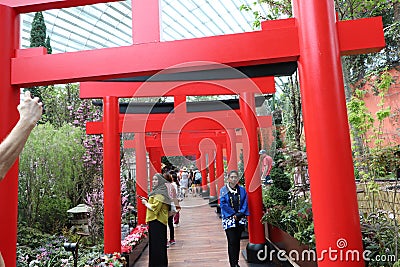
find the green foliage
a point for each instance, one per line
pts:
(372, 159)
(43, 250)
(50, 168)
(280, 179)
(242, 180)
(95, 200)
(274, 216)
(32, 237)
(359, 116)
(288, 105)
(52, 214)
(59, 104)
(278, 192)
(277, 9)
(296, 220)
(277, 196)
(380, 236)
(358, 66)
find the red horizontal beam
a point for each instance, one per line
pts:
(28, 6)
(361, 36)
(178, 142)
(170, 139)
(150, 58)
(174, 123)
(262, 85)
(180, 145)
(169, 151)
(269, 46)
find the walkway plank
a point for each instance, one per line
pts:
(200, 239)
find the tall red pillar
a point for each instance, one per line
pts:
(141, 175)
(112, 184)
(9, 100)
(204, 180)
(198, 160)
(211, 171)
(252, 176)
(232, 158)
(155, 161)
(333, 189)
(145, 21)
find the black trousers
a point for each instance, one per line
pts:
(157, 244)
(233, 235)
(171, 228)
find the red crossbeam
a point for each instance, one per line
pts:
(151, 58)
(214, 122)
(262, 85)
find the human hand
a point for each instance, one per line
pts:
(2, 264)
(30, 110)
(144, 201)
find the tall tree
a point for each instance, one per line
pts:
(38, 31)
(38, 39)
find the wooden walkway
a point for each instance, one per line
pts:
(200, 239)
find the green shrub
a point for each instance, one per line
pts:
(53, 216)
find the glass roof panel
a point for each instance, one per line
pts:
(110, 24)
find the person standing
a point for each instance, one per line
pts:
(266, 166)
(234, 209)
(30, 111)
(157, 218)
(197, 182)
(175, 184)
(173, 195)
(184, 182)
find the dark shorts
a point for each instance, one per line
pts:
(197, 181)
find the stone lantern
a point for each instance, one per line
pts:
(79, 218)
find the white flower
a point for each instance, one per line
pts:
(33, 263)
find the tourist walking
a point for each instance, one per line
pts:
(184, 182)
(234, 209)
(175, 184)
(266, 166)
(197, 182)
(172, 190)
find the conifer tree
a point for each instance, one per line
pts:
(279, 191)
(38, 39)
(38, 31)
(48, 45)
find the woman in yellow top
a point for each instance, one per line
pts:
(157, 219)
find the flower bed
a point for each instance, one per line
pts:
(134, 244)
(115, 260)
(293, 248)
(131, 247)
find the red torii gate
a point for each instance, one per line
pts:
(192, 147)
(179, 120)
(166, 145)
(314, 38)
